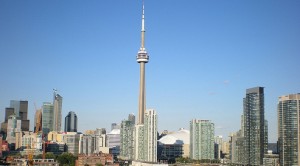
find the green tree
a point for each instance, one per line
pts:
(40, 156)
(66, 159)
(183, 160)
(99, 164)
(50, 155)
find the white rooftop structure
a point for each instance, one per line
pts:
(180, 137)
(115, 131)
(113, 138)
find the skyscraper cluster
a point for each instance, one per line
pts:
(15, 121)
(15, 128)
(138, 140)
(249, 145)
(51, 115)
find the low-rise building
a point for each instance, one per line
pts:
(93, 159)
(271, 159)
(36, 162)
(56, 148)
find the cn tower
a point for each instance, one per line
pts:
(142, 58)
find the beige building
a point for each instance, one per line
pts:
(28, 140)
(225, 147)
(52, 136)
(89, 132)
(18, 139)
(38, 121)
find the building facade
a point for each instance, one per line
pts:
(13, 127)
(38, 120)
(8, 112)
(56, 148)
(150, 136)
(254, 127)
(71, 139)
(288, 111)
(92, 143)
(57, 111)
(71, 122)
(29, 140)
(201, 139)
(131, 118)
(94, 159)
(47, 118)
(236, 148)
(218, 146)
(127, 140)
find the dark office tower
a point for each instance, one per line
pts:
(115, 126)
(57, 111)
(8, 112)
(21, 111)
(38, 121)
(71, 122)
(254, 127)
(131, 118)
(288, 129)
(100, 131)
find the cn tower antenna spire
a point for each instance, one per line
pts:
(143, 28)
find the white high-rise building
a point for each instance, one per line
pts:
(139, 142)
(13, 126)
(288, 112)
(146, 138)
(201, 139)
(150, 136)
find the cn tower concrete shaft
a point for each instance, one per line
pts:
(142, 96)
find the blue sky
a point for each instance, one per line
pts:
(203, 56)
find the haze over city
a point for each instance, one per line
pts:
(203, 57)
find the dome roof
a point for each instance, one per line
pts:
(169, 139)
(179, 137)
(115, 131)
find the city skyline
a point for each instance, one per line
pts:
(203, 57)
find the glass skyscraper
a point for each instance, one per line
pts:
(47, 118)
(288, 129)
(202, 133)
(254, 127)
(127, 140)
(57, 111)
